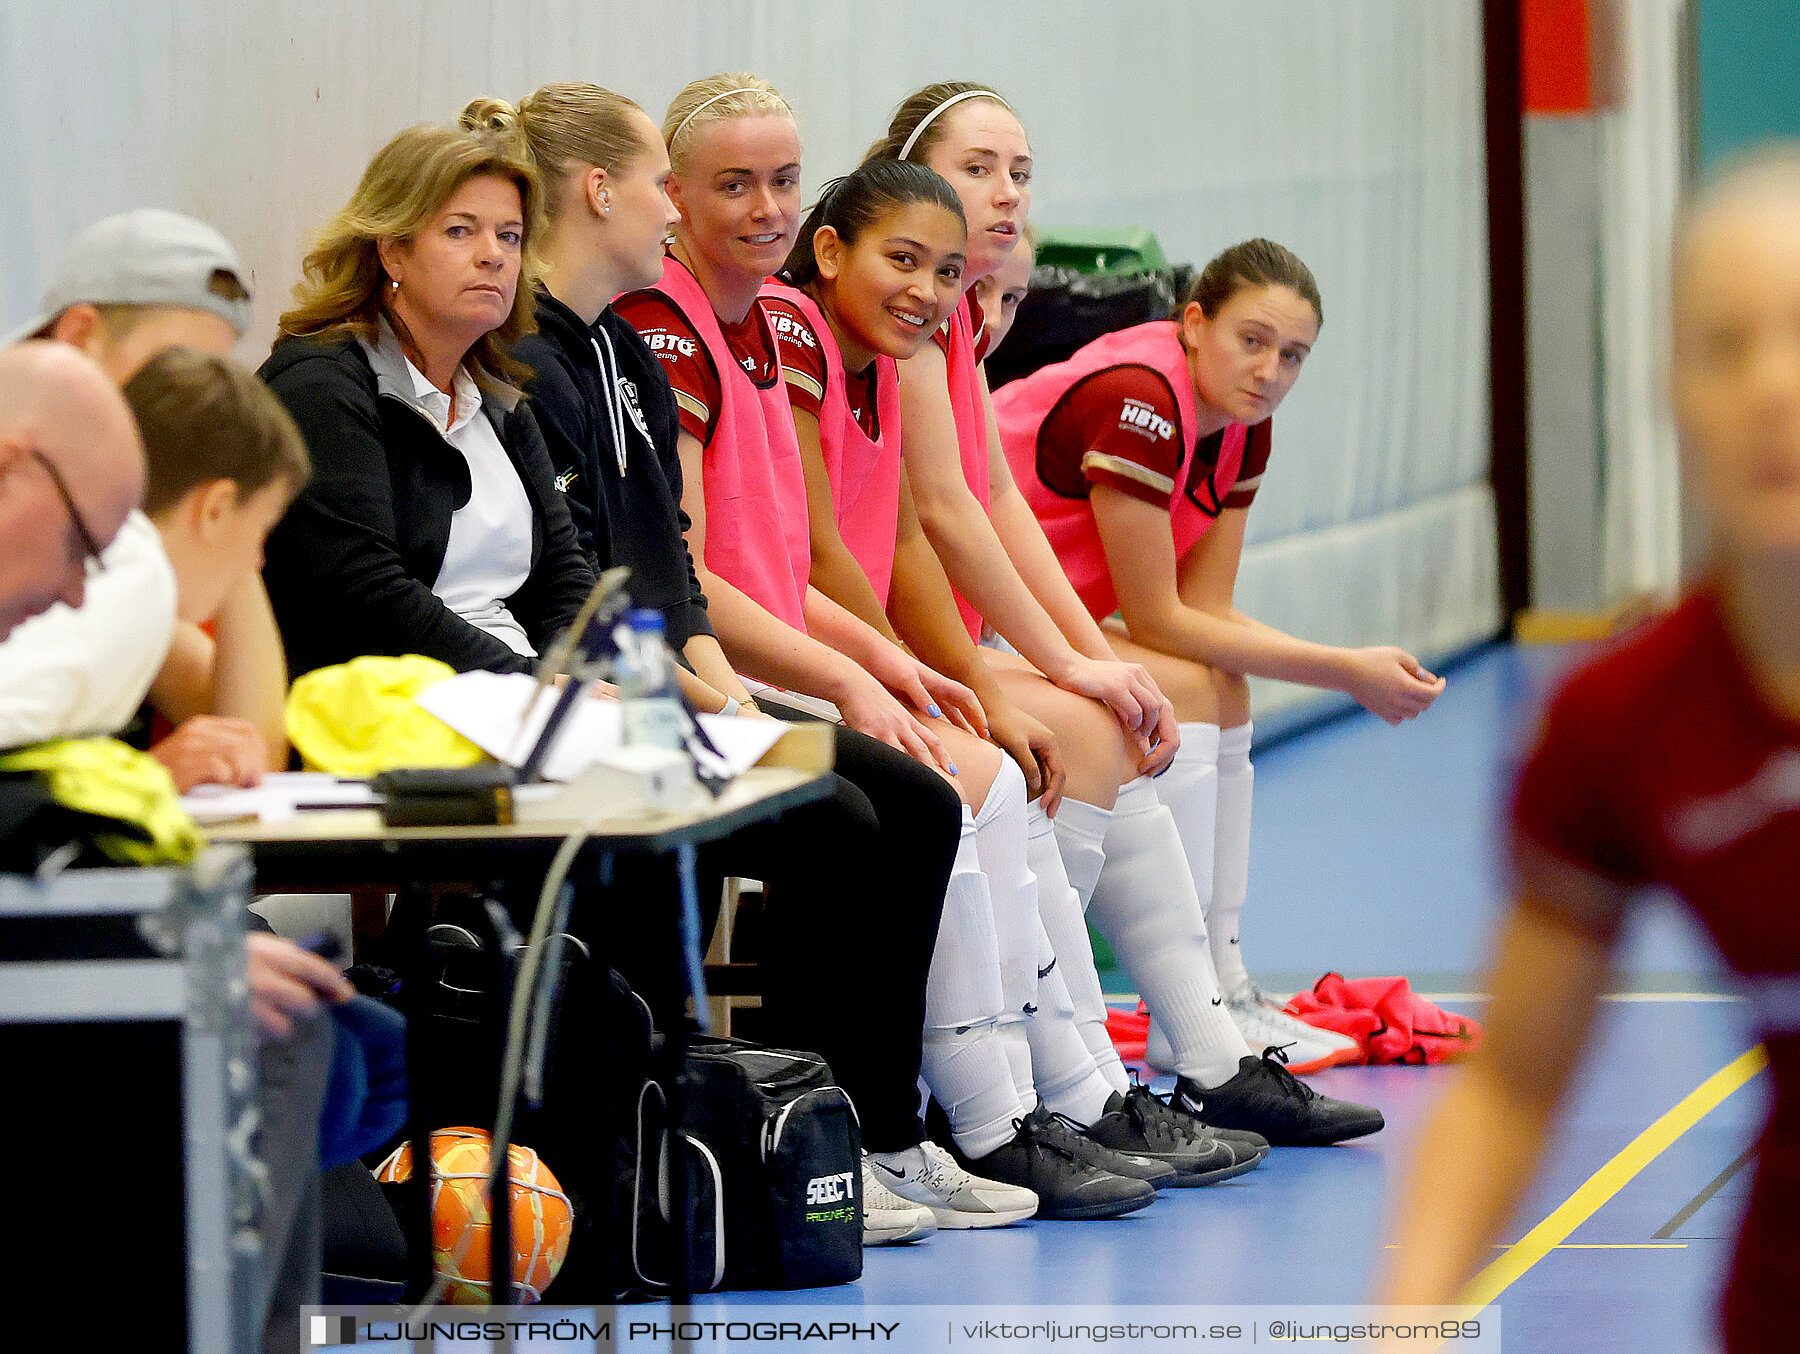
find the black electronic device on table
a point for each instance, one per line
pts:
(483, 794)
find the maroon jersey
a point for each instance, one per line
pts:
(1660, 763)
(685, 361)
(1120, 427)
(803, 368)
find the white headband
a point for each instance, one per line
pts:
(710, 102)
(925, 121)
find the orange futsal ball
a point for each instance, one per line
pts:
(541, 1215)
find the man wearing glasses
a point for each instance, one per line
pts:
(72, 475)
(71, 471)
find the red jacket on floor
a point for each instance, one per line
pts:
(1391, 1021)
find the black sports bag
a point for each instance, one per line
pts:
(774, 1152)
(1066, 309)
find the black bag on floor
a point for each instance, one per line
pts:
(585, 1130)
(773, 1153)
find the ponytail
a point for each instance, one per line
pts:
(1254, 263)
(560, 126)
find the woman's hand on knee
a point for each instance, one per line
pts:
(930, 694)
(1124, 688)
(953, 701)
(1030, 743)
(1156, 751)
(868, 707)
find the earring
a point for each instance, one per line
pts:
(394, 284)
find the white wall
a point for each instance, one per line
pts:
(1642, 145)
(1350, 131)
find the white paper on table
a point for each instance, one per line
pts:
(488, 709)
(281, 795)
(742, 741)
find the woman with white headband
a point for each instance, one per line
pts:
(1122, 846)
(610, 424)
(735, 155)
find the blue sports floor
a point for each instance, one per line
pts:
(1374, 855)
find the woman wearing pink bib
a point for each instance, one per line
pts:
(1125, 848)
(860, 447)
(736, 183)
(1140, 456)
(1022, 408)
(756, 537)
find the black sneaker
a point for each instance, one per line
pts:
(1266, 1098)
(1079, 1139)
(1242, 1140)
(1042, 1158)
(1143, 1124)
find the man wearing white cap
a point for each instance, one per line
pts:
(127, 288)
(131, 285)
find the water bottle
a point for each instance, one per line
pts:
(651, 710)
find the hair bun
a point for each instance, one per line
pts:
(490, 115)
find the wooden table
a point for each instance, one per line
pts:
(346, 850)
(333, 850)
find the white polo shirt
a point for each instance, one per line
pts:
(488, 557)
(76, 671)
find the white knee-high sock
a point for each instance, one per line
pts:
(1081, 830)
(1189, 789)
(1067, 1078)
(1060, 908)
(965, 1061)
(1231, 855)
(1146, 906)
(1000, 849)
(1056, 1064)
(967, 1071)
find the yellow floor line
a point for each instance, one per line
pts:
(1595, 1246)
(1612, 1177)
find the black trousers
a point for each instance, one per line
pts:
(855, 889)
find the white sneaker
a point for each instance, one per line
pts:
(929, 1176)
(887, 1218)
(1265, 1025)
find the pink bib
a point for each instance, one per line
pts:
(756, 528)
(964, 379)
(1021, 407)
(864, 471)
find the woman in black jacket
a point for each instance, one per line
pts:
(432, 523)
(860, 875)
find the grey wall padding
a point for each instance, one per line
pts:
(1350, 131)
